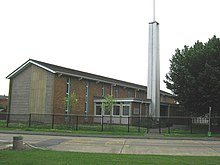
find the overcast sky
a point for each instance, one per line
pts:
(104, 37)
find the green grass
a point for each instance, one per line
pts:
(107, 129)
(82, 128)
(38, 157)
(198, 131)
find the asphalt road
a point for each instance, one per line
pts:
(118, 145)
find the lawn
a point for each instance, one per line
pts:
(82, 128)
(35, 157)
(198, 131)
(113, 129)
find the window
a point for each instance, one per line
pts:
(103, 90)
(86, 110)
(87, 100)
(137, 94)
(87, 89)
(66, 112)
(98, 110)
(125, 110)
(85, 115)
(67, 86)
(116, 110)
(67, 94)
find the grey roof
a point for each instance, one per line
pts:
(72, 72)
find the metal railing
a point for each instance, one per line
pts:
(181, 125)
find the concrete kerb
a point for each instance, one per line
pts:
(146, 136)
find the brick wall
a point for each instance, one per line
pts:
(78, 86)
(59, 94)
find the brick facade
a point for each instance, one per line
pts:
(59, 94)
(78, 86)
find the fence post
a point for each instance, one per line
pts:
(110, 121)
(169, 124)
(147, 124)
(128, 123)
(8, 117)
(52, 120)
(102, 122)
(159, 126)
(210, 123)
(29, 122)
(77, 121)
(139, 124)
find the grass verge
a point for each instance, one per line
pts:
(185, 132)
(38, 157)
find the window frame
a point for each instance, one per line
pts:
(96, 106)
(119, 110)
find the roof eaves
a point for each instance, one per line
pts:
(18, 69)
(42, 66)
(76, 73)
(25, 65)
(114, 82)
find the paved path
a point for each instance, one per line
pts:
(119, 145)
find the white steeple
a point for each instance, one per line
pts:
(153, 87)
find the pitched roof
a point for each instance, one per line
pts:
(72, 72)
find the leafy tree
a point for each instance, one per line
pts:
(108, 103)
(194, 76)
(71, 100)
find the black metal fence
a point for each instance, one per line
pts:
(180, 125)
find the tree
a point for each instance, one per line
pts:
(194, 76)
(108, 104)
(71, 101)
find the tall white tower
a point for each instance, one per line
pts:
(153, 88)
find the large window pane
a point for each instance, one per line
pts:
(98, 110)
(116, 110)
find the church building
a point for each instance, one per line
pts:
(40, 88)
